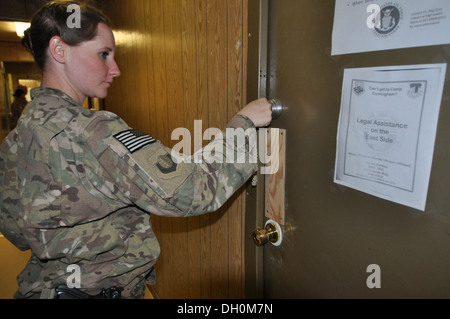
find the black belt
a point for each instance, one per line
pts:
(64, 292)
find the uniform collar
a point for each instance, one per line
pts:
(52, 92)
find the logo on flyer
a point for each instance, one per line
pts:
(388, 19)
(415, 90)
(359, 87)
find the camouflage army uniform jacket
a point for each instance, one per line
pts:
(77, 188)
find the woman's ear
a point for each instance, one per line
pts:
(58, 49)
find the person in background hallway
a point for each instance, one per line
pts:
(17, 107)
(77, 187)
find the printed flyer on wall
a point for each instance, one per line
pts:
(387, 129)
(372, 25)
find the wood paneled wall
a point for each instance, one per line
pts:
(185, 60)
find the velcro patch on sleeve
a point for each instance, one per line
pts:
(134, 140)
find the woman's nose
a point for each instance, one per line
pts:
(114, 70)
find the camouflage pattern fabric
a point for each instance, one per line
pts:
(75, 191)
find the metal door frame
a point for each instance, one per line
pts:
(258, 16)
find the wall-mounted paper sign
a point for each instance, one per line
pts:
(372, 25)
(387, 130)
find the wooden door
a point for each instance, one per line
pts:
(182, 61)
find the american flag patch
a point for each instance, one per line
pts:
(134, 140)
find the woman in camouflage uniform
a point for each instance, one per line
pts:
(77, 187)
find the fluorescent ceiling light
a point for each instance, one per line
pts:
(21, 27)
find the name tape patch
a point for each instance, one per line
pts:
(134, 140)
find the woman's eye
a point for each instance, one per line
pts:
(104, 55)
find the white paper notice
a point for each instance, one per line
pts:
(387, 130)
(372, 25)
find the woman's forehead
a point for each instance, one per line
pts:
(104, 37)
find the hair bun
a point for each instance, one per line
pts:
(26, 41)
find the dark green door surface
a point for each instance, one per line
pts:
(333, 233)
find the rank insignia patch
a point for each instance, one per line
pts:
(134, 140)
(165, 164)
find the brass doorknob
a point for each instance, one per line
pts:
(271, 233)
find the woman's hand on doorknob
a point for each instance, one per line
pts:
(259, 111)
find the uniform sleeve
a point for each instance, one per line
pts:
(134, 167)
(10, 221)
